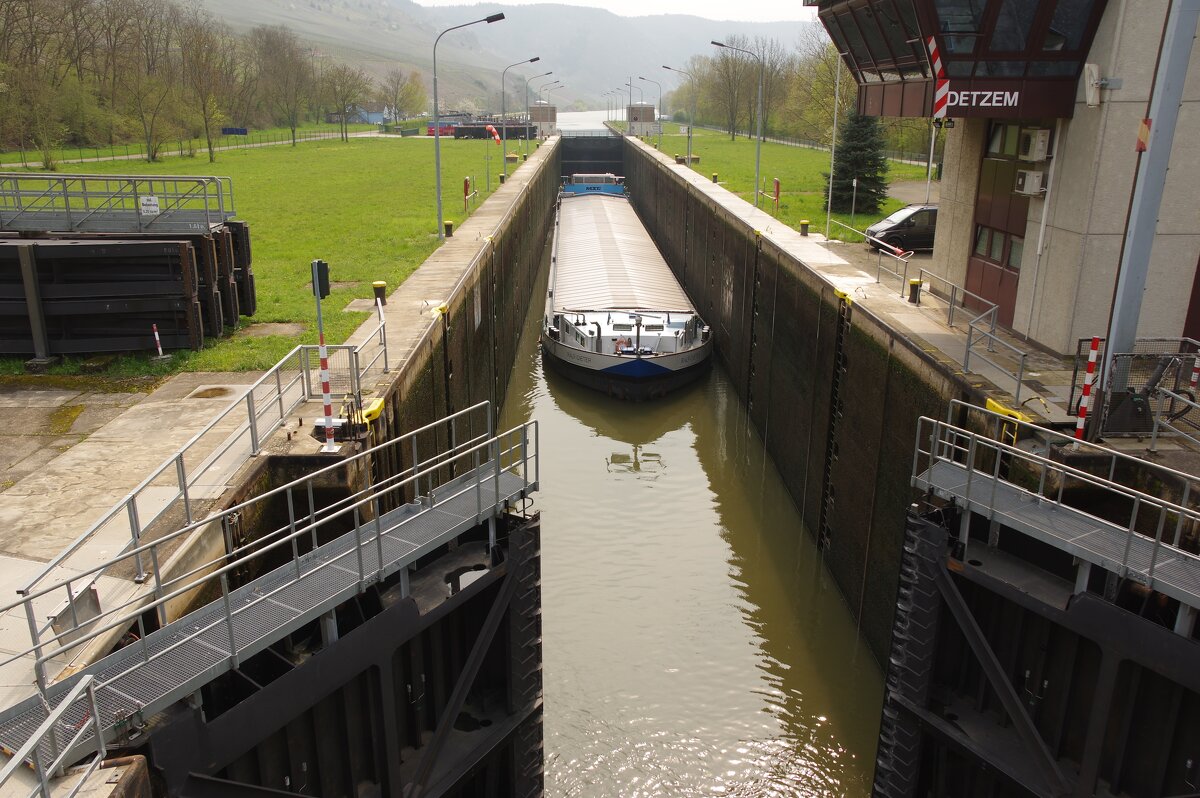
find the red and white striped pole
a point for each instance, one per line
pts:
(1081, 421)
(330, 445)
(157, 340)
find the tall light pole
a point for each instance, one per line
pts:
(542, 88)
(691, 110)
(527, 113)
(837, 87)
(657, 108)
(641, 94)
(758, 144)
(437, 124)
(503, 116)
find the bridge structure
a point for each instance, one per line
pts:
(461, 476)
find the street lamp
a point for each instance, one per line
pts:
(691, 111)
(535, 77)
(437, 125)
(641, 94)
(658, 108)
(542, 88)
(503, 117)
(758, 144)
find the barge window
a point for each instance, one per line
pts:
(623, 327)
(654, 328)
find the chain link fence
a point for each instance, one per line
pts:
(1133, 398)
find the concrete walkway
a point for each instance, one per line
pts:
(82, 453)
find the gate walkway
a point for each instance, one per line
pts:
(172, 663)
(1024, 491)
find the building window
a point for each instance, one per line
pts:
(1016, 250)
(1066, 29)
(996, 252)
(981, 241)
(1012, 26)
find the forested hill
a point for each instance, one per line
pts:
(590, 50)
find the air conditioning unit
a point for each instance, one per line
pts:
(1033, 144)
(1029, 182)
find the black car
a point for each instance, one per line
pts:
(909, 228)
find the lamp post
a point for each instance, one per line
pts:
(837, 86)
(503, 117)
(437, 125)
(758, 144)
(691, 110)
(544, 86)
(657, 109)
(535, 77)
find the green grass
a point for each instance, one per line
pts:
(801, 172)
(66, 154)
(366, 206)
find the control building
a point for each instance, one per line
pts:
(1047, 99)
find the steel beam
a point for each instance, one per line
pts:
(33, 301)
(996, 677)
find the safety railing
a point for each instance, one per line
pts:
(471, 445)
(1170, 409)
(114, 203)
(988, 462)
(45, 736)
(983, 328)
(199, 469)
(884, 249)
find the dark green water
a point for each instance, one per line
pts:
(694, 643)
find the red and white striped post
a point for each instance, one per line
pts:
(1081, 421)
(157, 340)
(319, 289)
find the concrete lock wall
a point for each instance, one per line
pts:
(467, 352)
(845, 454)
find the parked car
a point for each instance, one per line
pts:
(909, 228)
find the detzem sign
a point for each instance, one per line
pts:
(981, 99)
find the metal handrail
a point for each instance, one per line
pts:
(962, 448)
(507, 451)
(32, 747)
(975, 327)
(44, 648)
(1159, 421)
(952, 300)
(884, 248)
(255, 409)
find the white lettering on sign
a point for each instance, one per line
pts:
(149, 205)
(983, 99)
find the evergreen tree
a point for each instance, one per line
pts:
(859, 155)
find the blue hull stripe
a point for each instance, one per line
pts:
(637, 368)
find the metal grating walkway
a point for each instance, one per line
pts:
(175, 661)
(1176, 573)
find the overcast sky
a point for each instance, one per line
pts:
(744, 11)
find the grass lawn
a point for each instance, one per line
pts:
(366, 206)
(801, 172)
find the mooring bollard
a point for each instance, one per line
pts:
(380, 291)
(914, 291)
(714, 177)
(449, 229)
(804, 223)
(502, 177)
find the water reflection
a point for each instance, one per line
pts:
(694, 644)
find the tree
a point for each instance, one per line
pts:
(346, 87)
(285, 72)
(403, 93)
(859, 155)
(206, 64)
(728, 79)
(809, 110)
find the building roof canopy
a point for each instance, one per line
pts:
(1033, 48)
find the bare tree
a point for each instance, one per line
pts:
(809, 108)
(205, 63)
(151, 81)
(285, 73)
(346, 87)
(729, 76)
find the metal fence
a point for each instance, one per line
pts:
(114, 203)
(1156, 381)
(442, 455)
(80, 701)
(1151, 531)
(200, 470)
(182, 148)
